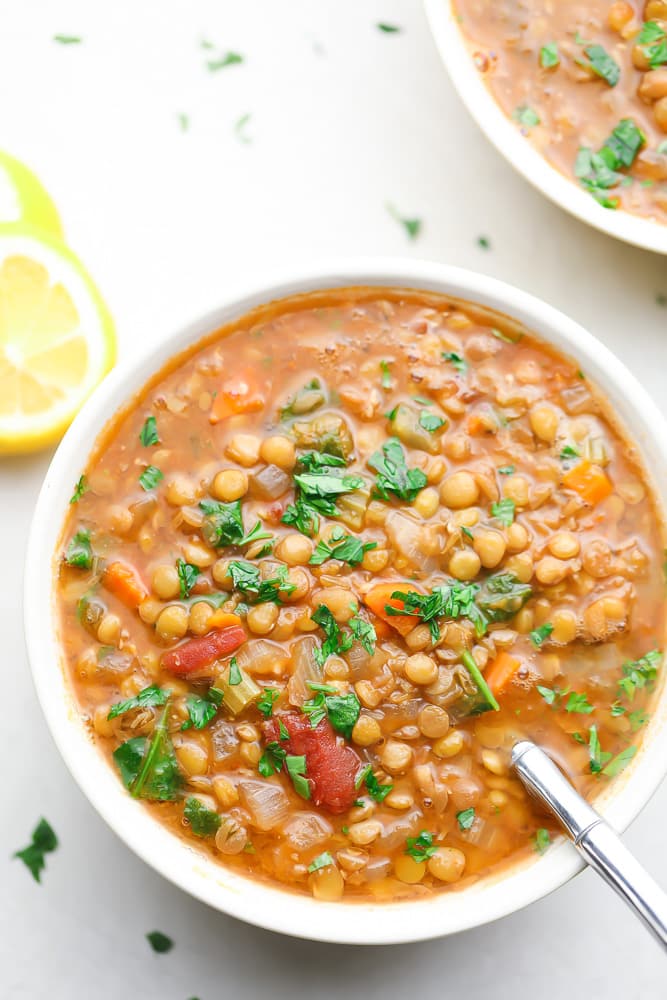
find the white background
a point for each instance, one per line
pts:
(344, 119)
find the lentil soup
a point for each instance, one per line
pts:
(586, 83)
(330, 564)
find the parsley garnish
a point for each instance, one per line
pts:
(394, 477)
(549, 56)
(283, 730)
(336, 641)
(421, 848)
(653, 41)
(542, 840)
(148, 434)
(376, 791)
(159, 942)
(526, 116)
(507, 470)
(578, 704)
(204, 822)
(619, 762)
(223, 524)
(267, 700)
(80, 488)
(411, 226)
(79, 551)
(43, 841)
(568, 452)
(504, 511)
(386, 375)
(235, 676)
(202, 709)
(342, 709)
(602, 64)
(321, 861)
(459, 363)
(246, 579)
(552, 696)
(597, 757)
(149, 768)
(272, 759)
(538, 635)
(465, 818)
(389, 29)
(430, 422)
(187, 577)
(638, 719)
(639, 673)
(67, 39)
(364, 633)
(150, 697)
(239, 127)
(315, 493)
(347, 548)
(150, 477)
(228, 59)
(296, 768)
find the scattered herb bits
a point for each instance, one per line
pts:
(43, 841)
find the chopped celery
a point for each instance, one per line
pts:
(239, 695)
(352, 507)
(328, 433)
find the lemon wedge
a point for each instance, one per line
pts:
(57, 338)
(24, 199)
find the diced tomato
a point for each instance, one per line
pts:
(201, 652)
(331, 766)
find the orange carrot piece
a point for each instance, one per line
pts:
(378, 597)
(501, 672)
(589, 481)
(240, 394)
(124, 582)
(223, 619)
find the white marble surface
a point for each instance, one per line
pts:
(344, 119)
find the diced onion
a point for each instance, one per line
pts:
(307, 829)
(260, 657)
(305, 669)
(407, 536)
(267, 803)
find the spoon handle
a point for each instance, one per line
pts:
(595, 840)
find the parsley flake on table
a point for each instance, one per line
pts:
(240, 129)
(421, 848)
(388, 29)
(184, 121)
(43, 841)
(68, 39)
(224, 60)
(412, 226)
(159, 942)
(483, 242)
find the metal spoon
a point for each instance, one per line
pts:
(595, 840)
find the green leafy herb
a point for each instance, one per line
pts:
(239, 129)
(257, 534)
(389, 29)
(490, 703)
(283, 730)
(568, 452)
(149, 768)
(526, 116)
(343, 710)
(504, 510)
(411, 226)
(483, 242)
(235, 675)
(465, 818)
(336, 641)
(296, 768)
(346, 548)
(507, 470)
(313, 461)
(267, 701)
(467, 532)
(150, 477)
(223, 523)
(321, 861)
(272, 759)
(159, 942)
(542, 840)
(309, 397)
(578, 704)
(228, 59)
(202, 709)
(459, 363)
(421, 848)
(376, 791)
(68, 39)
(597, 757)
(43, 841)
(602, 64)
(183, 121)
(552, 696)
(538, 635)
(315, 495)
(148, 434)
(150, 697)
(430, 422)
(386, 375)
(549, 57)
(79, 551)
(638, 719)
(393, 475)
(80, 488)
(622, 146)
(619, 762)
(639, 673)
(596, 176)
(364, 633)
(203, 822)
(187, 577)
(246, 579)
(653, 41)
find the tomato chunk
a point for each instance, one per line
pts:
(331, 766)
(201, 652)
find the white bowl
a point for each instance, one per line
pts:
(518, 150)
(279, 910)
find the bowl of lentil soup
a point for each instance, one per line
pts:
(574, 96)
(329, 560)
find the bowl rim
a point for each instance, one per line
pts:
(497, 895)
(519, 152)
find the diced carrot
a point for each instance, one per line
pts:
(379, 597)
(223, 619)
(501, 672)
(382, 630)
(124, 582)
(589, 481)
(240, 394)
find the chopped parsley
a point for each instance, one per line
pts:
(597, 758)
(483, 242)
(202, 709)
(539, 635)
(388, 29)
(507, 470)
(542, 840)
(150, 697)
(364, 633)
(638, 719)
(148, 434)
(187, 577)
(316, 492)
(459, 363)
(227, 59)
(43, 841)
(602, 64)
(235, 675)
(386, 375)
(430, 422)
(578, 704)
(267, 700)
(622, 146)
(149, 768)
(552, 696)
(598, 172)
(247, 580)
(296, 768)
(412, 226)
(203, 822)
(223, 523)
(549, 57)
(504, 510)
(159, 942)
(342, 709)
(346, 548)
(639, 673)
(526, 116)
(321, 861)
(80, 488)
(150, 477)
(393, 475)
(239, 129)
(272, 759)
(653, 41)
(336, 641)
(421, 848)
(79, 551)
(68, 39)
(568, 452)
(465, 818)
(619, 762)
(376, 791)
